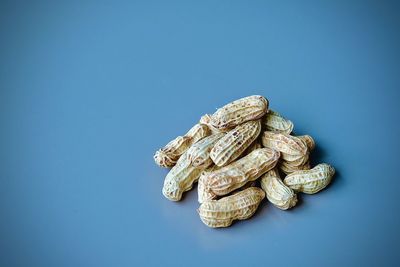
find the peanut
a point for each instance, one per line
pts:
(169, 155)
(180, 178)
(273, 121)
(280, 195)
(204, 193)
(235, 142)
(199, 153)
(240, 206)
(206, 119)
(291, 163)
(238, 173)
(308, 140)
(291, 147)
(310, 181)
(239, 111)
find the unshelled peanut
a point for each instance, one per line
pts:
(238, 173)
(310, 181)
(204, 193)
(291, 147)
(180, 178)
(308, 140)
(240, 206)
(279, 194)
(169, 154)
(235, 142)
(240, 111)
(199, 153)
(206, 119)
(274, 122)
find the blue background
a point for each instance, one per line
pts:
(90, 90)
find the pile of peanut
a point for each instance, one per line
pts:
(231, 152)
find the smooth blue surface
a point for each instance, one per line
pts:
(90, 90)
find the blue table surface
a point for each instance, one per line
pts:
(90, 90)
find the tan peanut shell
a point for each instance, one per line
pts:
(280, 195)
(239, 111)
(199, 153)
(204, 193)
(275, 122)
(308, 140)
(180, 178)
(238, 173)
(169, 155)
(240, 206)
(206, 119)
(310, 181)
(235, 142)
(291, 147)
(296, 163)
